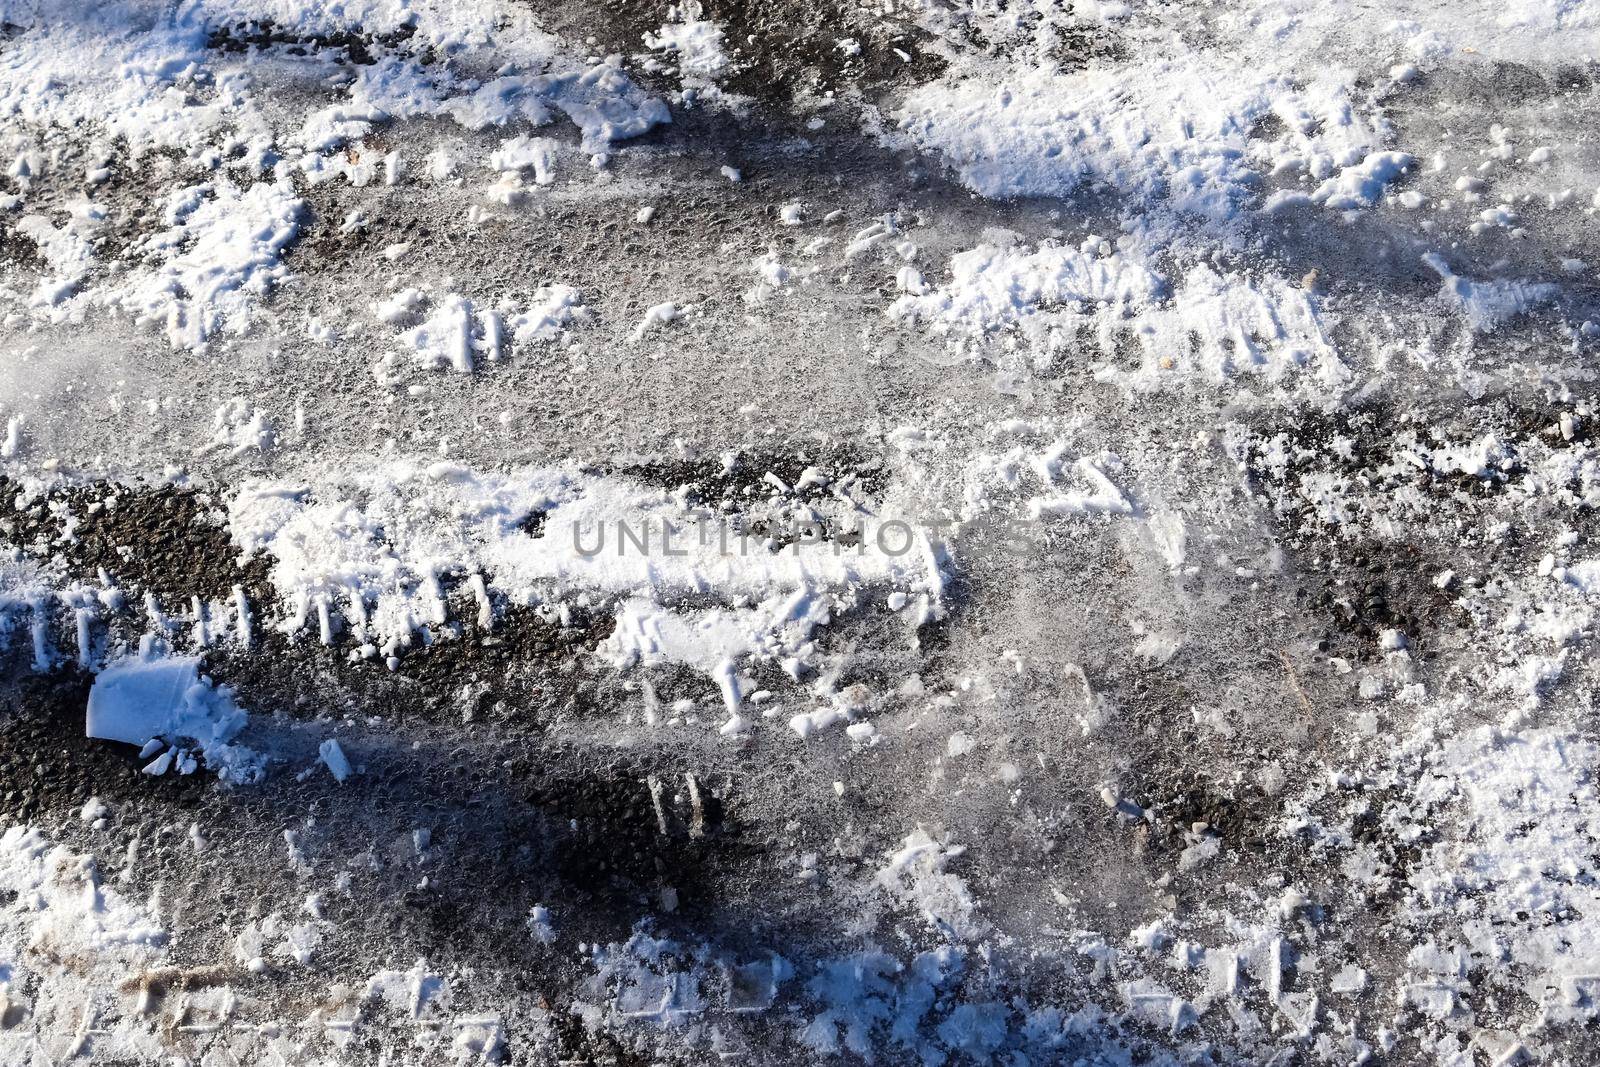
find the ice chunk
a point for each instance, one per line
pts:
(338, 763)
(136, 700)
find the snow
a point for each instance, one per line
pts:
(238, 427)
(221, 251)
(991, 288)
(656, 316)
(1516, 810)
(62, 911)
(1173, 129)
(69, 257)
(1210, 326)
(1361, 184)
(146, 76)
(1144, 611)
(453, 331)
(450, 336)
(606, 535)
(522, 153)
(122, 64)
(694, 44)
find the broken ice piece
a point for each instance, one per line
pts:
(133, 700)
(155, 702)
(539, 925)
(333, 755)
(137, 700)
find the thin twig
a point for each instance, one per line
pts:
(1294, 682)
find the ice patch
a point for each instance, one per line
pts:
(664, 983)
(916, 874)
(1487, 304)
(870, 994)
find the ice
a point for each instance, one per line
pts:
(139, 701)
(1487, 304)
(135, 700)
(1228, 374)
(332, 755)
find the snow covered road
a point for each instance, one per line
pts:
(932, 532)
